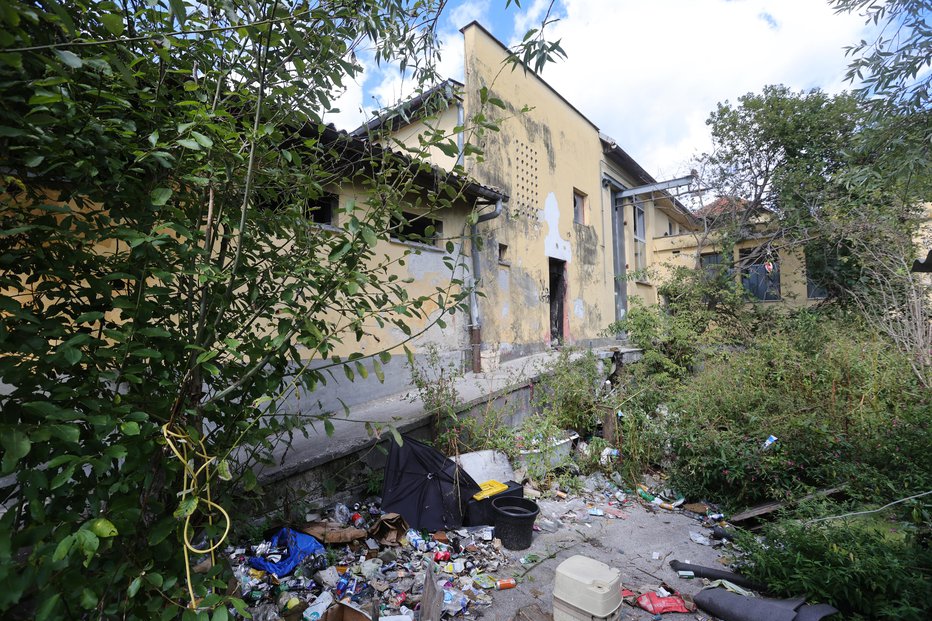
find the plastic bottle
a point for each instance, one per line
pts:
(342, 514)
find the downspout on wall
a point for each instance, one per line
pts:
(475, 324)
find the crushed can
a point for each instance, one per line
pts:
(505, 583)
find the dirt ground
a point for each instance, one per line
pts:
(641, 546)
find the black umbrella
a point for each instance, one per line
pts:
(427, 489)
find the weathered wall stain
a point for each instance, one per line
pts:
(554, 245)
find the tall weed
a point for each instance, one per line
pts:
(865, 568)
(844, 407)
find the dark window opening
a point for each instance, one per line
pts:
(817, 275)
(557, 300)
(322, 210)
(502, 253)
(712, 264)
(579, 207)
(760, 275)
(411, 227)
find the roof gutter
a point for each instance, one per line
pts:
(475, 323)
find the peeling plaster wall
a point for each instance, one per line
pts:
(539, 157)
(427, 270)
(681, 251)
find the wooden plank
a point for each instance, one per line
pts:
(770, 507)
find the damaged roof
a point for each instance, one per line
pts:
(353, 148)
(432, 100)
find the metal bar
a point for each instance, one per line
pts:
(656, 187)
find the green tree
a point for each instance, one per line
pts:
(893, 68)
(161, 286)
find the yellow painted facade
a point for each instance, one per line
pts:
(554, 266)
(684, 250)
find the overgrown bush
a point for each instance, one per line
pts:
(865, 568)
(844, 406)
(571, 391)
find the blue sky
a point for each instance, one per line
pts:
(648, 73)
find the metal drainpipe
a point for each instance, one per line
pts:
(475, 328)
(460, 146)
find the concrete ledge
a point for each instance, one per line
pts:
(405, 411)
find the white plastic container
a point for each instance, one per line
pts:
(585, 589)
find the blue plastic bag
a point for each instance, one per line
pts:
(300, 546)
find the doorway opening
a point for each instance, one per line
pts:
(557, 301)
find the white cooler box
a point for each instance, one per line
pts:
(585, 589)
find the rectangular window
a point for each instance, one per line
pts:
(412, 227)
(816, 272)
(711, 264)
(640, 238)
(579, 206)
(760, 275)
(671, 227)
(322, 210)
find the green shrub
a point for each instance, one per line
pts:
(570, 391)
(862, 567)
(844, 406)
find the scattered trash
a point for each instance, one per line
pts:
(720, 533)
(663, 600)
(286, 549)
(585, 588)
(419, 555)
(425, 487)
(768, 442)
(734, 588)
(505, 583)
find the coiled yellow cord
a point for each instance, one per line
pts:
(190, 486)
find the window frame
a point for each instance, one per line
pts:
(323, 209)
(758, 270)
(580, 206)
(419, 222)
(811, 283)
(640, 237)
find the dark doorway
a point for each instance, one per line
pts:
(557, 300)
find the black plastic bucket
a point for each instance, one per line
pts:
(514, 521)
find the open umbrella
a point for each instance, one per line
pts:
(427, 489)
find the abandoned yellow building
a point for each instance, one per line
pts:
(560, 259)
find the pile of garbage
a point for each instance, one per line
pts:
(374, 565)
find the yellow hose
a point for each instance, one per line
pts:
(190, 486)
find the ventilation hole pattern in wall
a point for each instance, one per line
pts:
(525, 199)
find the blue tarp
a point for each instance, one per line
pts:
(300, 546)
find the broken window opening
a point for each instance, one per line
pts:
(579, 206)
(817, 275)
(760, 275)
(416, 228)
(640, 238)
(503, 253)
(322, 210)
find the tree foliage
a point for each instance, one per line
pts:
(894, 68)
(161, 285)
(844, 177)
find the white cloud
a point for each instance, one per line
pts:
(649, 73)
(352, 108)
(380, 86)
(467, 13)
